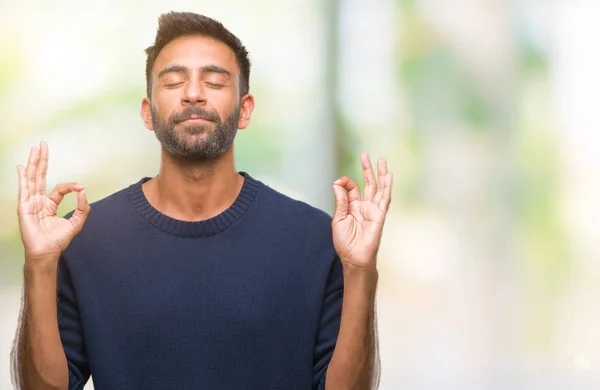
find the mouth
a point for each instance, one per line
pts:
(195, 119)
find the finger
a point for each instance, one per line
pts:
(341, 202)
(381, 172)
(350, 186)
(386, 197)
(59, 192)
(369, 177)
(81, 213)
(34, 157)
(381, 169)
(42, 169)
(23, 185)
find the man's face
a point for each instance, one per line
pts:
(195, 105)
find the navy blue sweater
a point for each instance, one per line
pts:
(249, 299)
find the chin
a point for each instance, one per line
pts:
(195, 129)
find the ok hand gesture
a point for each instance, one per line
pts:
(45, 235)
(357, 224)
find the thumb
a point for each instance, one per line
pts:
(341, 203)
(81, 213)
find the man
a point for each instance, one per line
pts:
(201, 277)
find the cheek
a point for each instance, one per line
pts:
(163, 108)
(225, 104)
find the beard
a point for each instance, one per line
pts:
(196, 142)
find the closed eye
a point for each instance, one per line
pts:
(214, 85)
(173, 85)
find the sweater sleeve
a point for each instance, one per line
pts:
(329, 323)
(71, 332)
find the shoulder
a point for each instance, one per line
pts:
(281, 205)
(297, 224)
(112, 210)
(289, 217)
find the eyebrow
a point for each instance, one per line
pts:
(183, 69)
(215, 69)
(172, 69)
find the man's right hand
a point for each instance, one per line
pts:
(44, 235)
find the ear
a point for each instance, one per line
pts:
(146, 113)
(246, 108)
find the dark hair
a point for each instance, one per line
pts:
(174, 25)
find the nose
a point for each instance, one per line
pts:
(193, 93)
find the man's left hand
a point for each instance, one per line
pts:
(357, 224)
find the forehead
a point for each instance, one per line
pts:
(195, 51)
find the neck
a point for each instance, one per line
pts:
(194, 191)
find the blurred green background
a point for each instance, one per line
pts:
(485, 110)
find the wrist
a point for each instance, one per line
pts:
(41, 265)
(359, 269)
(360, 279)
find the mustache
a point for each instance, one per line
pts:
(195, 111)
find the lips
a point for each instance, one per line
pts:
(195, 119)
